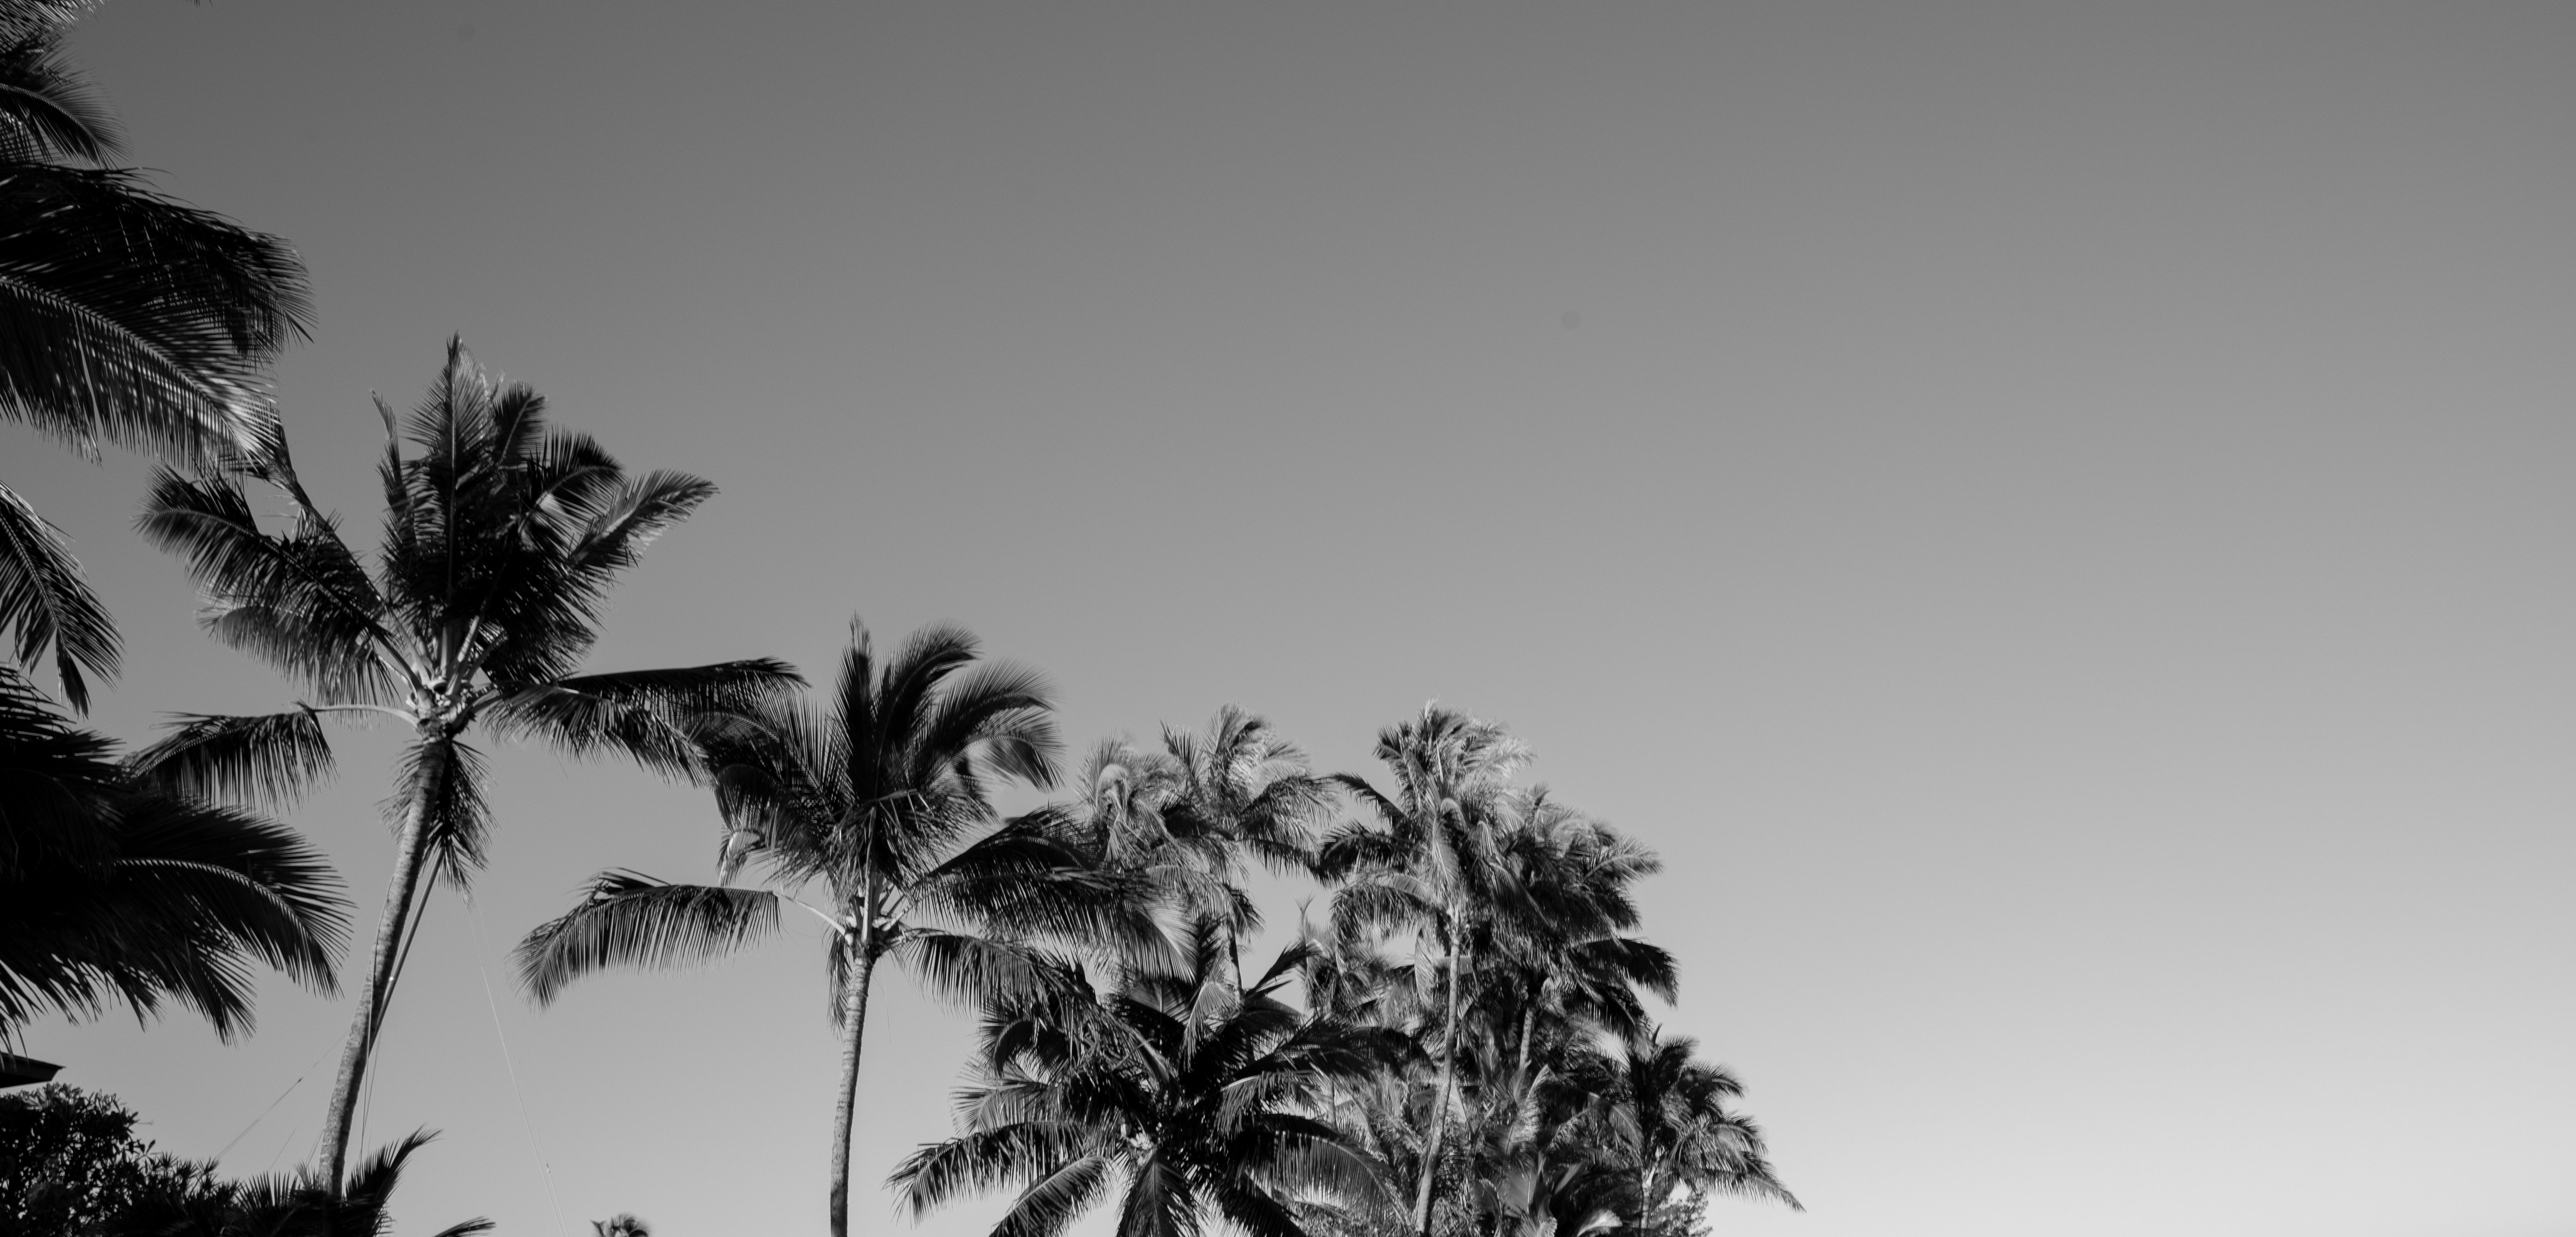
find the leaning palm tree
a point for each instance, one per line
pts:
(125, 318)
(880, 795)
(1429, 864)
(114, 890)
(1192, 1093)
(500, 541)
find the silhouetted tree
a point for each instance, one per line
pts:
(125, 318)
(881, 795)
(501, 540)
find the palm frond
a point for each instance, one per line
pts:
(46, 604)
(968, 969)
(269, 760)
(1053, 1202)
(985, 1159)
(265, 890)
(135, 319)
(625, 918)
(48, 113)
(645, 715)
(442, 778)
(306, 576)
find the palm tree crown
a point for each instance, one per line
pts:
(1429, 864)
(1188, 819)
(880, 795)
(1195, 1094)
(501, 539)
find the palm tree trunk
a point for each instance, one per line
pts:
(854, 1021)
(1439, 1111)
(410, 853)
(1520, 1071)
(1645, 1194)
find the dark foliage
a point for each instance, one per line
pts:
(115, 890)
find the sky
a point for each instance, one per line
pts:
(2053, 519)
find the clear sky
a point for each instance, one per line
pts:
(2055, 519)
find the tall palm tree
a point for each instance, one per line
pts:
(501, 539)
(112, 889)
(880, 795)
(1194, 1092)
(1556, 970)
(1559, 960)
(125, 318)
(1428, 864)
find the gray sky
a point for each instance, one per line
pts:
(2054, 520)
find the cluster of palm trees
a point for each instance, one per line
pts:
(1459, 1048)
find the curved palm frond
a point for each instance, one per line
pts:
(629, 919)
(137, 320)
(267, 760)
(46, 604)
(644, 715)
(113, 890)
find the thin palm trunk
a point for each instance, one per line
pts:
(1440, 1110)
(410, 856)
(854, 1021)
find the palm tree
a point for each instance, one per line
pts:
(881, 795)
(307, 1204)
(1193, 1091)
(125, 318)
(1185, 817)
(1559, 962)
(501, 540)
(620, 1225)
(112, 889)
(1556, 970)
(1428, 865)
(1669, 1136)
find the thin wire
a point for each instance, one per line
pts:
(272, 1104)
(526, 1122)
(283, 1144)
(384, 1005)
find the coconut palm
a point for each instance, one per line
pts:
(1190, 1093)
(1428, 864)
(620, 1225)
(1558, 961)
(876, 799)
(114, 890)
(1554, 968)
(125, 318)
(501, 539)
